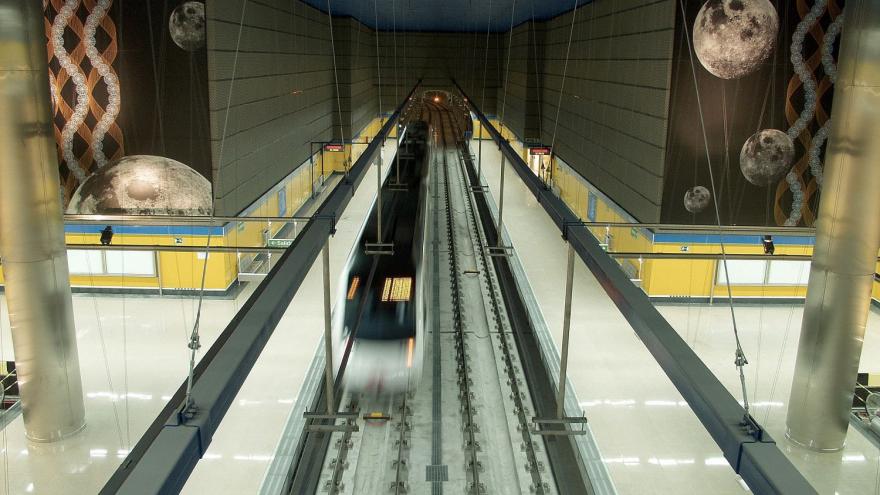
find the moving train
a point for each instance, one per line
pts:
(380, 316)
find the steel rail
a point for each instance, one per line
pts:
(334, 484)
(480, 242)
(464, 379)
(169, 450)
(749, 450)
(400, 486)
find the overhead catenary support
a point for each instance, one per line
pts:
(32, 233)
(847, 240)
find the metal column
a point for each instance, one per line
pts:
(328, 342)
(847, 240)
(480, 155)
(566, 327)
(379, 199)
(32, 232)
(501, 205)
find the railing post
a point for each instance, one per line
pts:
(328, 342)
(566, 327)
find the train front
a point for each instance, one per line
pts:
(383, 353)
(379, 327)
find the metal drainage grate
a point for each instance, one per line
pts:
(437, 472)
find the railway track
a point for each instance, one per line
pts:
(474, 359)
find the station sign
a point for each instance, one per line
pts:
(280, 243)
(334, 148)
(539, 151)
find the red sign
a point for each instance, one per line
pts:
(334, 148)
(544, 150)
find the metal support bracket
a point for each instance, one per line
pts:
(379, 248)
(500, 251)
(567, 224)
(332, 219)
(312, 416)
(565, 426)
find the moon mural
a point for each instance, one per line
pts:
(766, 156)
(696, 199)
(187, 25)
(733, 37)
(143, 185)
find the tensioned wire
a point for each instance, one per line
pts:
(338, 97)
(194, 336)
(564, 72)
(378, 67)
(507, 64)
(483, 91)
(740, 356)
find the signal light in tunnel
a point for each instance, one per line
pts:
(436, 99)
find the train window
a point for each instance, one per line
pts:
(397, 289)
(352, 289)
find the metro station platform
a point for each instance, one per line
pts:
(134, 352)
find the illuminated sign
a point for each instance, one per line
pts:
(334, 148)
(540, 151)
(280, 243)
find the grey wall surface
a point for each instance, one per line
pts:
(437, 58)
(612, 121)
(273, 89)
(613, 118)
(270, 86)
(356, 71)
(520, 94)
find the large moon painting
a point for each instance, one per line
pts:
(143, 185)
(733, 37)
(696, 199)
(766, 157)
(187, 25)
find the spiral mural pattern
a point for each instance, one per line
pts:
(82, 48)
(809, 90)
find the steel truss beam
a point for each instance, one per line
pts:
(166, 454)
(754, 456)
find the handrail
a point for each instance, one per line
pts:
(166, 454)
(200, 221)
(749, 450)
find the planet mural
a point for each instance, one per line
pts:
(696, 199)
(143, 185)
(733, 37)
(766, 156)
(187, 25)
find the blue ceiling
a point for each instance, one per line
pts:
(446, 15)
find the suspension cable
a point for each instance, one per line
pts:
(338, 97)
(564, 72)
(740, 359)
(378, 65)
(507, 64)
(194, 340)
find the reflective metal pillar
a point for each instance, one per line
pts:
(847, 240)
(32, 232)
